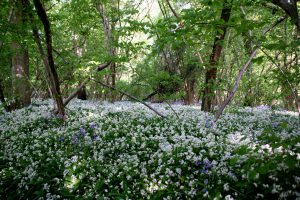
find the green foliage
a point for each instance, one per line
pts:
(154, 51)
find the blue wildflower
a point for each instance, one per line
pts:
(207, 123)
(207, 164)
(61, 139)
(74, 139)
(204, 190)
(205, 181)
(275, 125)
(92, 125)
(263, 107)
(82, 132)
(94, 137)
(197, 163)
(204, 171)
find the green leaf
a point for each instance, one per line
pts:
(233, 161)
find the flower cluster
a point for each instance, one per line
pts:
(124, 151)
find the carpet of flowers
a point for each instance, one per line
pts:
(125, 151)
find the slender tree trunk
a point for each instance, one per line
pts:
(50, 67)
(109, 39)
(78, 50)
(189, 87)
(287, 97)
(211, 73)
(20, 61)
(248, 100)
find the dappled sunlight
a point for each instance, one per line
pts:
(155, 186)
(71, 182)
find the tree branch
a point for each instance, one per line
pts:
(130, 96)
(242, 71)
(172, 9)
(103, 66)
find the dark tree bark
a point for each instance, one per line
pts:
(189, 73)
(2, 98)
(78, 50)
(20, 60)
(211, 73)
(290, 8)
(50, 67)
(150, 96)
(189, 87)
(82, 93)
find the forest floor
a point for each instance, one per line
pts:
(125, 151)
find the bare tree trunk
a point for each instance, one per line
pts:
(108, 37)
(50, 67)
(211, 73)
(189, 87)
(20, 61)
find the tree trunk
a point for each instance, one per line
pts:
(82, 93)
(50, 67)
(78, 50)
(211, 73)
(287, 97)
(189, 87)
(249, 97)
(109, 39)
(20, 61)
(241, 72)
(2, 98)
(290, 8)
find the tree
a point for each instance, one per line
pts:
(109, 24)
(49, 65)
(211, 73)
(20, 58)
(290, 8)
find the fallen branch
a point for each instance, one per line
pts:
(150, 95)
(173, 110)
(130, 96)
(242, 71)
